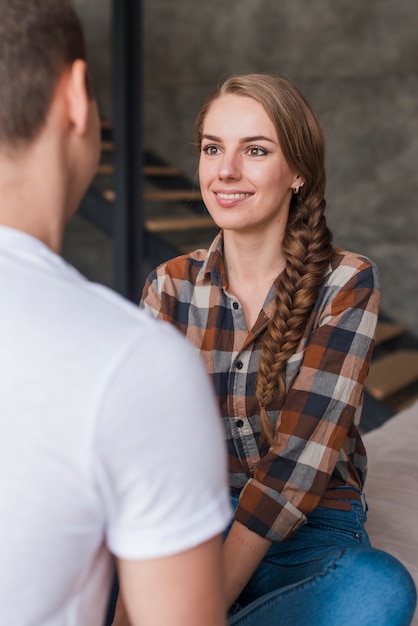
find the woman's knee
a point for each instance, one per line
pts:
(389, 587)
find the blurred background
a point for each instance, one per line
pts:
(357, 63)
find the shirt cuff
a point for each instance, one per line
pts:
(267, 513)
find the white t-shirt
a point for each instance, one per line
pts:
(110, 440)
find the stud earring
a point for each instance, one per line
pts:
(296, 189)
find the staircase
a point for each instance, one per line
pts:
(176, 222)
(392, 381)
(174, 212)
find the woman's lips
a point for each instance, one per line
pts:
(236, 195)
(231, 198)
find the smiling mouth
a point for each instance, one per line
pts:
(233, 196)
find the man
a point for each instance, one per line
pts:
(110, 441)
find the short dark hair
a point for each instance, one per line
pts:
(38, 40)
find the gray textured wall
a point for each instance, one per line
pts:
(355, 60)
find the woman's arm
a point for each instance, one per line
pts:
(243, 551)
(317, 436)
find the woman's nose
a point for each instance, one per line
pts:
(229, 167)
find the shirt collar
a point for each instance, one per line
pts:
(214, 268)
(213, 265)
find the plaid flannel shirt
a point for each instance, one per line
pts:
(317, 444)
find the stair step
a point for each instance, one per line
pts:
(108, 146)
(386, 331)
(148, 170)
(391, 373)
(175, 195)
(109, 194)
(105, 169)
(161, 170)
(175, 223)
(179, 223)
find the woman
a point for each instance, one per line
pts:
(285, 324)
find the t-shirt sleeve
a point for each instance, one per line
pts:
(160, 457)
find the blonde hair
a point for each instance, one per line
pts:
(307, 244)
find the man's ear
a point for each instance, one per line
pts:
(78, 96)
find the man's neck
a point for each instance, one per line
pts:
(31, 199)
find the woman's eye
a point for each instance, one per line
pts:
(210, 150)
(256, 151)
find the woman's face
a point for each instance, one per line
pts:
(245, 181)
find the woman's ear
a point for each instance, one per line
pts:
(78, 97)
(297, 183)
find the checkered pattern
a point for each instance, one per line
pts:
(318, 445)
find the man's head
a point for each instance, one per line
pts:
(38, 40)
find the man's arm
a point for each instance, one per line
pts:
(183, 589)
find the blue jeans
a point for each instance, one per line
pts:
(327, 574)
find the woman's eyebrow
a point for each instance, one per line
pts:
(257, 138)
(211, 138)
(243, 140)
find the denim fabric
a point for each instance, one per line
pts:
(327, 574)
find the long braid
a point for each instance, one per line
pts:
(308, 250)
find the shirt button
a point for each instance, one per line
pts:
(236, 305)
(239, 423)
(240, 365)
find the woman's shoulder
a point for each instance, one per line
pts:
(182, 265)
(180, 274)
(350, 268)
(193, 264)
(349, 259)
